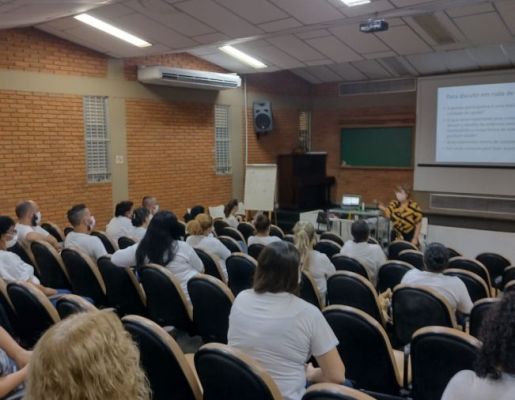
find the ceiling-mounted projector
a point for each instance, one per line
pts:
(373, 25)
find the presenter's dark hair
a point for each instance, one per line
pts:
(360, 231)
(139, 216)
(230, 206)
(436, 257)
(122, 208)
(278, 269)
(159, 245)
(497, 355)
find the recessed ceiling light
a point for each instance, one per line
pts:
(111, 30)
(353, 3)
(243, 57)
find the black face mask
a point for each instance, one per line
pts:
(34, 220)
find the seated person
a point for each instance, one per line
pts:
(140, 220)
(280, 330)
(436, 257)
(312, 261)
(83, 223)
(371, 256)
(230, 210)
(194, 211)
(151, 204)
(29, 219)
(88, 356)
(13, 364)
(12, 267)
(199, 230)
(262, 236)
(121, 224)
(494, 375)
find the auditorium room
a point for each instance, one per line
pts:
(257, 199)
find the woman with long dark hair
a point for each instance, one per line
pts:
(162, 245)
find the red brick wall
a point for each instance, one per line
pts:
(171, 154)
(42, 157)
(34, 50)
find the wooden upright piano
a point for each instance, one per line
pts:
(302, 180)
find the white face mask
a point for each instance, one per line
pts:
(38, 218)
(300, 275)
(91, 223)
(12, 242)
(156, 209)
(401, 196)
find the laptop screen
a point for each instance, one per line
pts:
(351, 200)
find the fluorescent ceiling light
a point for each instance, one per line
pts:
(243, 57)
(112, 30)
(352, 3)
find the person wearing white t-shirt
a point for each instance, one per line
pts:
(280, 330)
(29, 219)
(162, 245)
(199, 230)
(494, 375)
(140, 219)
(262, 236)
(121, 224)
(436, 257)
(83, 223)
(371, 256)
(317, 264)
(230, 210)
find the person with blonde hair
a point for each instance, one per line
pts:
(199, 230)
(87, 356)
(312, 261)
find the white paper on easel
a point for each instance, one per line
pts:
(260, 187)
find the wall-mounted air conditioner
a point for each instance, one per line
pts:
(189, 78)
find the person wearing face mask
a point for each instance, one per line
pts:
(29, 219)
(12, 267)
(151, 204)
(83, 223)
(405, 215)
(121, 224)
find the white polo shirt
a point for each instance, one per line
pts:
(466, 385)
(118, 227)
(13, 268)
(264, 240)
(138, 233)
(371, 256)
(91, 245)
(211, 245)
(23, 230)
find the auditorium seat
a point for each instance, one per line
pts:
(412, 257)
(246, 229)
(211, 264)
(508, 275)
(309, 291)
(276, 231)
(255, 250)
(51, 268)
(332, 391)
(328, 247)
(346, 263)
(54, 230)
(495, 264)
(476, 286)
(230, 243)
(241, 269)
(453, 253)
(332, 236)
(69, 304)
(9, 318)
(478, 313)
(469, 264)
(23, 251)
(289, 238)
(124, 242)
(397, 246)
(219, 224)
(390, 274)
(109, 245)
(233, 233)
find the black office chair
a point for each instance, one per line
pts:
(477, 315)
(332, 391)
(370, 361)
(124, 292)
(276, 231)
(168, 371)
(437, 354)
(125, 242)
(328, 247)
(495, 264)
(109, 245)
(54, 230)
(51, 268)
(36, 313)
(412, 257)
(309, 291)
(167, 304)
(211, 264)
(332, 236)
(476, 286)
(219, 224)
(230, 243)
(241, 269)
(397, 246)
(212, 301)
(345, 263)
(229, 374)
(246, 229)
(469, 264)
(508, 275)
(390, 274)
(255, 250)
(70, 304)
(350, 289)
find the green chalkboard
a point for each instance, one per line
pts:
(377, 147)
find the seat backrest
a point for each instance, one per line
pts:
(390, 274)
(51, 268)
(289, 238)
(345, 263)
(476, 286)
(240, 269)
(413, 257)
(415, 307)
(230, 243)
(166, 302)
(229, 374)
(22, 251)
(309, 291)
(509, 286)
(232, 232)
(54, 230)
(164, 363)
(211, 263)
(469, 264)
(36, 313)
(494, 263)
(453, 252)
(332, 236)
(350, 289)
(255, 250)
(84, 276)
(219, 224)
(109, 245)
(328, 247)
(212, 302)
(69, 304)
(397, 246)
(276, 231)
(67, 229)
(124, 242)
(478, 313)
(246, 229)
(366, 349)
(437, 354)
(124, 292)
(9, 319)
(332, 391)
(508, 275)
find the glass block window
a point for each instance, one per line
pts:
(97, 139)
(222, 140)
(305, 130)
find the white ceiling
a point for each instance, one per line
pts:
(318, 40)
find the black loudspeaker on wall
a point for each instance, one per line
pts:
(263, 121)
